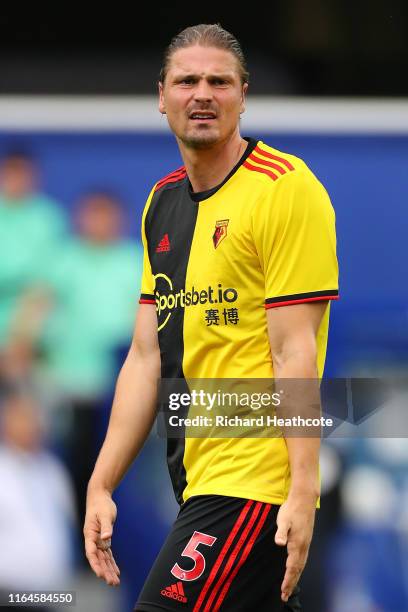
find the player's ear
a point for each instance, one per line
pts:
(162, 107)
(243, 98)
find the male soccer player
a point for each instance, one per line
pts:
(240, 261)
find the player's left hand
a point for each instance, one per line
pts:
(295, 521)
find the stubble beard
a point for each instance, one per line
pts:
(200, 141)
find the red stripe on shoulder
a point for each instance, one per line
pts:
(268, 164)
(277, 158)
(269, 173)
(170, 180)
(178, 172)
(175, 176)
(182, 168)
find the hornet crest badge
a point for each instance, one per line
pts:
(220, 231)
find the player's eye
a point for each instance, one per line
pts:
(187, 81)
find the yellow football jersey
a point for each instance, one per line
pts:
(213, 263)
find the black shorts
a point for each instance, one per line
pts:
(219, 555)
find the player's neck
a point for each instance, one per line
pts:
(207, 168)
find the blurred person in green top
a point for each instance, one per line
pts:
(94, 285)
(93, 288)
(31, 227)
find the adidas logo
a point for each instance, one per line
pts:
(175, 591)
(164, 244)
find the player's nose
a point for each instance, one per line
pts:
(203, 91)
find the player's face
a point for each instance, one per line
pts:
(202, 95)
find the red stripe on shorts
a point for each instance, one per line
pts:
(244, 556)
(233, 556)
(222, 554)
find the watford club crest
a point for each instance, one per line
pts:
(220, 231)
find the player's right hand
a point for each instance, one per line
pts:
(98, 527)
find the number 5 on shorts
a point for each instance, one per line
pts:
(194, 554)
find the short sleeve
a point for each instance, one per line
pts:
(294, 234)
(147, 282)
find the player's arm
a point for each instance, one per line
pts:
(292, 334)
(132, 416)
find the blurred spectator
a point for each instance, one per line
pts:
(36, 503)
(31, 226)
(19, 370)
(94, 285)
(366, 561)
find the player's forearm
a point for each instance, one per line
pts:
(132, 416)
(297, 374)
(304, 466)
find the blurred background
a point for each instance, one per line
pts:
(81, 144)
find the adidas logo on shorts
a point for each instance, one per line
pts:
(175, 591)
